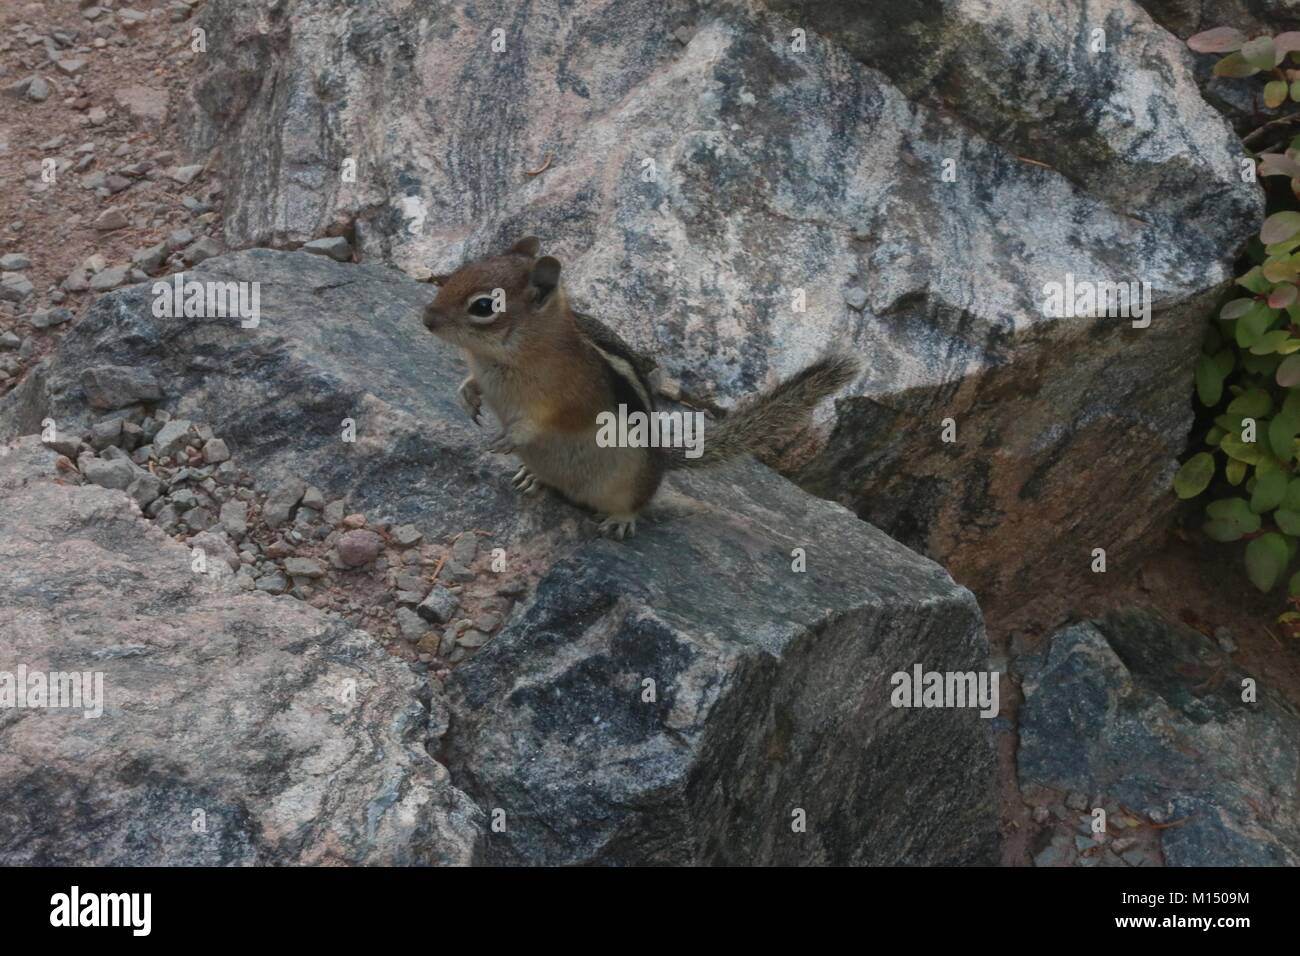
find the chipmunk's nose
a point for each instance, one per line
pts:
(434, 317)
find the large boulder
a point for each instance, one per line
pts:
(734, 196)
(1093, 89)
(772, 683)
(232, 728)
(689, 698)
(1136, 713)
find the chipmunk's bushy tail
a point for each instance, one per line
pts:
(773, 418)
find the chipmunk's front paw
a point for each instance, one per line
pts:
(619, 527)
(472, 398)
(526, 482)
(502, 444)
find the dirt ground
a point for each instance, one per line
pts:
(114, 83)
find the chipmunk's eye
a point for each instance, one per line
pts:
(481, 307)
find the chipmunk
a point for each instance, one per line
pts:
(547, 371)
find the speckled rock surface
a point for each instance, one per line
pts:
(770, 697)
(1137, 712)
(236, 728)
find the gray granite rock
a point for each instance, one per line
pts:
(174, 436)
(215, 451)
(439, 605)
(109, 474)
(763, 705)
(117, 386)
(234, 518)
(282, 500)
(1150, 715)
(237, 729)
(336, 247)
(303, 568)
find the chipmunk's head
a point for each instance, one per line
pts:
(496, 307)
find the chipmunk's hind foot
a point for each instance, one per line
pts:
(526, 482)
(619, 527)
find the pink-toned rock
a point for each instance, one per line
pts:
(247, 731)
(359, 547)
(143, 102)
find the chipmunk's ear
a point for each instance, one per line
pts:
(545, 276)
(528, 246)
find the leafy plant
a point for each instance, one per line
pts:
(1248, 373)
(1247, 57)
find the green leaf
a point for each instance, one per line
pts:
(1195, 474)
(1288, 373)
(1255, 403)
(1214, 435)
(1209, 381)
(1260, 53)
(1236, 510)
(1269, 491)
(1252, 325)
(1292, 500)
(1264, 365)
(1234, 447)
(1254, 281)
(1287, 246)
(1234, 471)
(1270, 342)
(1221, 531)
(1275, 93)
(1293, 588)
(1281, 296)
(1236, 309)
(1234, 65)
(1232, 509)
(1288, 521)
(1218, 40)
(1279, 227)
(1266, 558)
(1280, 269)
(1282, 430)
